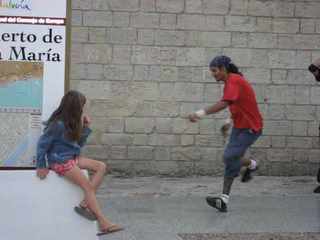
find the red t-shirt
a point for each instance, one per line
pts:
(243, 104)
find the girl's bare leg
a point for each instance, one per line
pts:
(76, 176)
(99, 169)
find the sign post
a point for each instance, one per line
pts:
(34, 40)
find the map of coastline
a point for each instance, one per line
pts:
(20, 110)
(21, 85)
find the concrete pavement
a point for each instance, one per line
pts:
(153, 208)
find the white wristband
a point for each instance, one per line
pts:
(201, 113)
(227, 121)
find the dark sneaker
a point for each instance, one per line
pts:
(317, 190)
(246, 176)
(218, 203)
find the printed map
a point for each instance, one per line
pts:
(20, 111)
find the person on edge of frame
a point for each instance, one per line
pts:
(314, 68)
(239, 97)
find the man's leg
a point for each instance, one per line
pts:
(248, 137)
(231, 157)
(232, 168)
(251, 166)
(240, 141)
(227, 183)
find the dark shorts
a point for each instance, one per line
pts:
(240, 140)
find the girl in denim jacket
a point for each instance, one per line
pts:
(59, 147)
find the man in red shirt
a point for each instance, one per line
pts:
(314, 68)
(239, 96)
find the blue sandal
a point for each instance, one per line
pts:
(111, 229)
(85, 212)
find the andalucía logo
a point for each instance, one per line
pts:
(16, 4)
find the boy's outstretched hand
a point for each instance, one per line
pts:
(42, 172)
(193, 117)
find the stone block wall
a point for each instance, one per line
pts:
(143, 66)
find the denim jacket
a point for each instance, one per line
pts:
(54, 147)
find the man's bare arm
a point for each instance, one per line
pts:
(216, 107)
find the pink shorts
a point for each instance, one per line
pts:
(62, 168)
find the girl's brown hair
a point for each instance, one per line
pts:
(70, 112)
